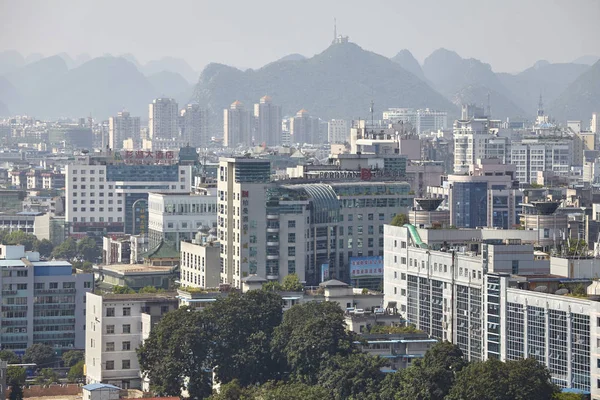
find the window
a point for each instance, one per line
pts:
(359, 217)
(291, 251)
(110, 312)
(126, 311)
(53, 285)
(515, 267)
(291, 224)
(110, 346)
(110, 365)
(68, 285)
(402, 292)
(370, 217)
(126, 346)
(40, 286)
(126, 364)
(350, 217)
(381, 216)
(22, 273)
(164, 309)
(110, 329)
(126, 328)
(21, 286)
(291, 238)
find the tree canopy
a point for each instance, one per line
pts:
(40, 354)
(72, 357)
(400, 220)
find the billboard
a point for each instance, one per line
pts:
(366, 267)
(324, 272)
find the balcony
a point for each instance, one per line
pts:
(272, 229)
(273, 243)
(272, 256)
(54, 291)
(8, 292)
(272, 216)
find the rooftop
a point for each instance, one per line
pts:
(162, 250)
(140, 296)
(97, 386)
(135, 269)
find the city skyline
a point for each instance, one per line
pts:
(223, 35)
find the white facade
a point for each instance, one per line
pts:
(123, 127)
(476, 139)
(114, 330)
(194, 126)
(200, 265)
(533, 155)
(423, 120)
(176, 217)
(236, 125)
(162, 119)
(267, 118)
(338, 131)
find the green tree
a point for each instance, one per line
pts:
(529, 379)
(15, 375)
(39, 354)
(272, 286)
(67, 250)
(151, 289)
(47, 376)
(44, 247)
(88, 249)
(16, 392)
(487, 380)
(428, 379)
(117, 289)
(289, 391)
(244, 325)
(309, 335)
(400, 220)
(569, 396)
(72, 357)
(291, 283)
(176, 353)
(76, 372)
(9, 357)
(357, 376)
(21, 238)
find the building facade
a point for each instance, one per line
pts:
(267, 122)
(338, 131)
(200, 264)
(194, 126)
(162, 119)
(123, 127)
(237, 126)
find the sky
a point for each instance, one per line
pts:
(510, 35)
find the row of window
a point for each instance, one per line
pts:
(125, 364)
(92, 172)
(125, 346)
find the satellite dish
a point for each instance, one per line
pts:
(542, 289)
(562, 292)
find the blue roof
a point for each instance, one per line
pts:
(96, 386)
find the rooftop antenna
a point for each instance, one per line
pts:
(540, 106)
(334, 30)
(371, 109)
(489, 106)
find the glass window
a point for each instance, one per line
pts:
(110, 346)
(126, 311)
(110, 312)
(110, 329)
(126, 346)
(126, 328)
(110, 364)
(126, 364)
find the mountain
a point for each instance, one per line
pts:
(340, 82)
(409, 63)
(33, 57)
(10, 60)
(580, 99)
(9, 93)
(171, 64)
(132, 59)
(469, 81)
(101, 87)
(4, 112)
(587, 60)
(544, 78)
(171, 84)
(292, 57)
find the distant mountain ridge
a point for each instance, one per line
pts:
(340, 82)
(580, 99)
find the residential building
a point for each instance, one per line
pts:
(304, 128)
(173, 218)
(194, 126)
(42, 302)
(236, 126)
(115, 326)
(338, 131)
(162, 119)
(123, 127)
(384, 139)
(267, 122)
(21, 221)
(532, 155)
(200, 263)
(477, 138)
(107, 193)
(116, 250)
(422, 120)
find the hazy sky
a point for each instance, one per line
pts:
(509, 34)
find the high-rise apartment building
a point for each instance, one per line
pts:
(162, 119)
(304, 128)
(338, 131)
(595, 123)
(194, 126)
(422, 120)
(533, 154)
(123, 127)
(475, 139)
(236, 126)
(267, 122)
(108, 192)
(42, 302)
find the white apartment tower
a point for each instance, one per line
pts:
(236, 125)
(337, 131)
(268, 122)
(162, 119)
(194, 125)
(122, 127)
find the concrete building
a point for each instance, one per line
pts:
(173, 218)
(304, 128)
(475, 139)
(200, 264)
(123, 127)
(384, 139)
(194, 126)
(136, 276)
(338, 131)
(423, 120)
(267, 122)
(162, 119)
(532, 155)
(42, 302)
(100, 391)
(237, 126)
(21, 221)
(107, 193)
(115, 325)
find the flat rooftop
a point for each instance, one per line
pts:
(135, 269)
(141, 296)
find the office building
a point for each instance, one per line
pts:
(194, 126)
(116, 325)
(384, 139)
(477, 138)
(42, 302)
(107, 193)
(422, 120)
(338, 131)
(237, 126)
(162, 119)
(303, 226)
(176, 217)
(200, 263)
(267, 122)
(532, 155)
(123, 127)
(304, 128)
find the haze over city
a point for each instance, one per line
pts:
(510, 35)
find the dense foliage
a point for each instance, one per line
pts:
(40, 354)
(307, 353)
(400, 220)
